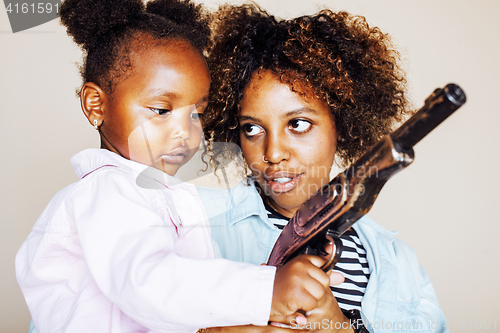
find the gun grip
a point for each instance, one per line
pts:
(335, 256)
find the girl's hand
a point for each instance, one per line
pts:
(299, 285)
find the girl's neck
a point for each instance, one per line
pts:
(105, 144)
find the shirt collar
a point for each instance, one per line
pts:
(90, 160)
(245, 201)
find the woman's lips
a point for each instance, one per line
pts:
(282, 181)
(175, 156)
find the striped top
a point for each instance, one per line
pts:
(352, 264)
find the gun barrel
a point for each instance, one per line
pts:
(349, 196)
(439, 106)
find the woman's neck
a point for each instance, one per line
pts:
(285, 212)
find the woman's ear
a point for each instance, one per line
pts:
(93, 99)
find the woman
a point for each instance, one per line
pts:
(293, 95)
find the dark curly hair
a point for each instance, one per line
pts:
(343, 60)
(109, 30)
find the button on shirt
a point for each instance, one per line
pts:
(128, 249)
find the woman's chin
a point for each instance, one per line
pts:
(287, 204)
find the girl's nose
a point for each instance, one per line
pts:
(183, 123)
(277, 149)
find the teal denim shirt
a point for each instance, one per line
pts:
(399, 296)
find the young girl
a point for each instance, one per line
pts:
(293, 94)
(124, 250)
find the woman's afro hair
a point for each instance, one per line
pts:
(337, 56)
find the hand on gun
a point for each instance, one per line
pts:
(327, 317)
(298, 278)
(300, 287)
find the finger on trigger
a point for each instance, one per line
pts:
(315, 260)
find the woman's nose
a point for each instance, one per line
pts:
(276, 149)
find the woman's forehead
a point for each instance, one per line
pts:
(266, 78)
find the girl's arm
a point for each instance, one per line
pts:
(131, 253)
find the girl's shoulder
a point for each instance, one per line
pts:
(103, 181)
(104, 170)
(112, 181)
(91, 162)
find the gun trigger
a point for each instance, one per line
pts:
(309, 250)
(336, 253)
(321, 251)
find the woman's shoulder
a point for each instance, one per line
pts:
(381, 242)
(367, 226)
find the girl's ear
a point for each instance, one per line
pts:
(93, 98)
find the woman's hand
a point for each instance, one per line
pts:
(328, 317)
(298, 286)
(252, 329)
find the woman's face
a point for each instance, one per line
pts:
(293, 133)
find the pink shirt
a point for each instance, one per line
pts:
(108, 255)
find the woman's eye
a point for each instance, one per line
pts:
(252, 130)
(300, 125)
(160, 111)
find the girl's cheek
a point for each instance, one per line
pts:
(136, 144)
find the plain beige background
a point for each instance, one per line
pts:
(445, 205)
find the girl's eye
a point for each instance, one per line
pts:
(160, 111)
(300, 125)
(196, 116)
(252, 130)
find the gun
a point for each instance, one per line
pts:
(338, 205)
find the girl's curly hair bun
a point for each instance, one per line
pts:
(88, 20)
(184, 13)
(181, 12)
(110, 30)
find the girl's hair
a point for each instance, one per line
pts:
(109, 31)
(338, 56)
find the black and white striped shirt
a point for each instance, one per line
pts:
(352, 264)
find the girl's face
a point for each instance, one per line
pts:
(296, 136)
(152, 116)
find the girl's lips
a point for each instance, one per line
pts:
(172, 159)
(176, 156)
(282, 182)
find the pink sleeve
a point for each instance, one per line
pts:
(131, 254)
